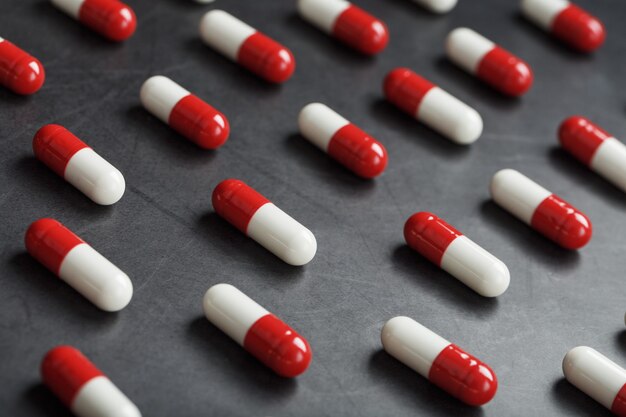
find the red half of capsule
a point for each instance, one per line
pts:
(406, 89)
(278, 346)
(563, 223)
(199, 122)
(54, 145)
(266, 58)
(237, 202)
(505, 72)
(429, 235)
(579, 29)
(110, 18)
(358, 151)
(463, 376)
(65, 370)
(49, 242)
(581, 138)
(19, 71)
(619, 403)
(360, 30)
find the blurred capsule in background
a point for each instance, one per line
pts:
(19, 71)
(110, 18)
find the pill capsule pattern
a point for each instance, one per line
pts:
(489, 62)
(597, 376)
(245, 45)
(595, 148)
(543, 211)
(19, 71)
(433, 106)
(258, 218)
(352, 147)
(456, 254)
(261, 333)
(566, 21)
(78, 264)
(82, 387)
(78, 164)
(110, 18)
(444, 364)
(437, 6)
(184, 112)
(346, 22)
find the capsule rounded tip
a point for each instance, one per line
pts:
(573, 360)
(293, 356)
(592, 36)
(468, 127)
(393, 82)
(391, 329)
(301, 248)
(440, 6)
(36, 232)
(374, 38)
(213, 132)
(501, 179)
(109, 188)
(372, 161)
(415, 226)
(121, 24)
(480, 386)
(43, 137)
(494, 281)
(279, 66)
(576, 232)
(54, 359)
(570, 129)
(28, 76)
(224, 191)
(115, 294)
(519, 80)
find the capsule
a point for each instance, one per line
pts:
(19, 71)
(110, 18)
(595, 148)
(446, 365)
(78, 264)
(456, 254)
(545, 212)
(352, 147)
(566, 21)
(597, 376)
(82, 387)
(78, 164)
(245, 45)
(480, 57)
(185, 113)
(346, 22)
(261, 333)
(433, 106)
(437, 6)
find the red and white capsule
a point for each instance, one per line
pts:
(82, 387)
(433, 106)
(444, 364)
(492, 64)
(78, 264)
(258, 218)
(437, 6)
(19, 71)
(110, 18)
(456, 254)
(346, 22)
(261, 333)
(193, 118)
(566, 21)
(248, 47)
(597, 376)
(352, 147)
(595, 148)
(78, 164)
(545, 212)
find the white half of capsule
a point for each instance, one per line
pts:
(543, 12)
(318, 123)
(467, 48)
(437, 6)
(95, 177)
(322, 13)
(224, 32)
(231, 311)
(609, 160)
(475, 267)
(517, 193)
(279, 233)
(70, 7)
(99, 397)
(594, 374)
(412, 344)
(159, 95)
(96, 278)
(1, 40)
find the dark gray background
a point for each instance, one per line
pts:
(162, 352)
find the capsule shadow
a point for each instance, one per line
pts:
(574, 402)
(620, 340)
(414, 8)
(40, 398)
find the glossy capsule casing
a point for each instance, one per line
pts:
(258, 218)
(444, 364)
(193, 118)
(346, 143)
(456, 254)
(595, 148)
(344, 21)
(545, 212)
(433, 106)
(112, 19)
(78, 164)
(19, 71)
(248, 47)
(597, 376)
(437, 6)
(489, 62)
(261, 333)
(82, 387)
(566, 21)
(78, 264)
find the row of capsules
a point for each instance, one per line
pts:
(259, 332)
